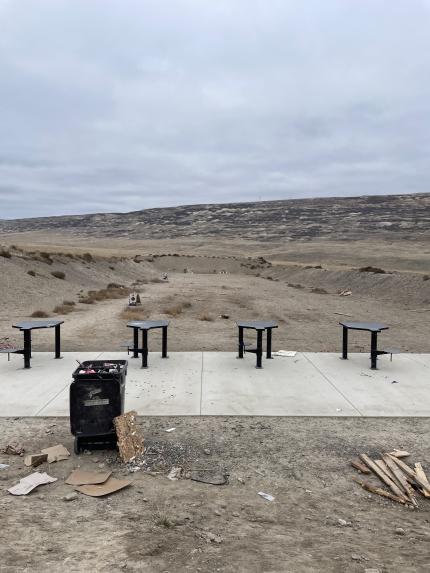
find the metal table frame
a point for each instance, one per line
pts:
(260, 326)
(27, 326)
(145, 326)
(374, 328)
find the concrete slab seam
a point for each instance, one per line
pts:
(332, 384)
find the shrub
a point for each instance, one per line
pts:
(5, 253)
(45, 257)
(175, 310)
(31, 273)
(87, 257)
(206, 318)
(318, 290)
(112, 268)
(292, 285)
(63, 309)
(87, 300)
(39, 314)
(133, 313)
(58, 275)
(426, 277)
(114, 285)
(374, 270)
(156, 280)
(187, 304)
(69, 302)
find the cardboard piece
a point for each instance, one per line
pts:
(111, 485)
(82, 477)
(56, 453)
(130, 439)
(27, 484)
(35, 459)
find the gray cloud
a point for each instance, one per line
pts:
(108, 105)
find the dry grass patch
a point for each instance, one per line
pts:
(58, 275)
(63, 309)
(174, 310)
(206, 318)
(39, 314)
(133, 313)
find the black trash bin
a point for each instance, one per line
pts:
(96, 398)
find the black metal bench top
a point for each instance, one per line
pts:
(370, 326)
(147, 324)
(32, 324)
(257, 324)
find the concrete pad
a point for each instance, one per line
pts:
(169, 387)
(284, 387)
(28, 392)
(397, 388)
(423, 359)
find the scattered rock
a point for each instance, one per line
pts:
(399, 531)
(70, 496)
(14, 448)
(356, 557)
(207, 451)
(343, 523)
(210, 537)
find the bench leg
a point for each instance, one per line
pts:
(373, 350)
(164, 343)
(144, 349)
(269, 343)
(135, 342)
(240, 347)
(57, 341)
(259, 348)
(345, 343)
(27, 348)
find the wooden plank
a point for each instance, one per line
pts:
(130, 439)
(410, 473)
(383, 467)
(382, 476)
(379, 491)
(401, 478)
(399, 453)
(421, 474)
(358, 465)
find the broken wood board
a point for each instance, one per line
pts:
(399, 453)
(421, 474)
(401, 479)
(56, 453)
(35, 459)
(379, 491)
(28, 483)
(383, 477)
(111, 485)
(82, 477)
(410, 473)
(358, 465)
(130, 439)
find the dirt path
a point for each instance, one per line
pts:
(157, 525)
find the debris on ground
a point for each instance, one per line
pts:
(111, 485)
(209, 537)
(210, 476)
(285, 353)
(56, 453)
(175, 474)
(404, 482)
(83, 477)
(345, 292)
(170, 430)
(267, 496)
(4, 466)
(70, 496)
(13, 448)
(130, 439)
(28, 483)
(34, 460)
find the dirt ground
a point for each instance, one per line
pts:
(204, 302)
(158, 525)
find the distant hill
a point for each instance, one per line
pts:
(402, 216)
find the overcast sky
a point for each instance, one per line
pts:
(123, 105)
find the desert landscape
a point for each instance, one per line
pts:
(307, 264)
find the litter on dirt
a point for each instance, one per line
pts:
(28, 483)
(4, 466)
(111, 485)
(82, 477)
(170, 430)
(14, 448)
(56, 453)
(267, 496)
(35, 460)
(212, 477)
(130, 439)
(174, 474)
(285, 353)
